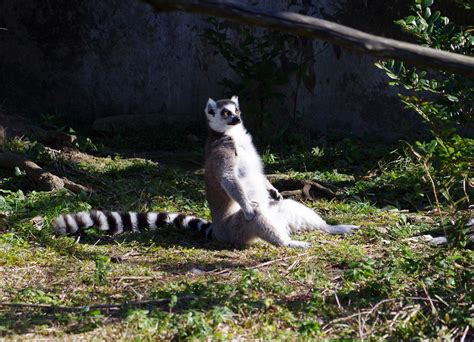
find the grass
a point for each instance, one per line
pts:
(378, 283)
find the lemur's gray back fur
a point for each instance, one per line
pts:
(220, 153)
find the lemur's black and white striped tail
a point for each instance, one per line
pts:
(114, 222)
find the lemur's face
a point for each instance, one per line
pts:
(222, 115)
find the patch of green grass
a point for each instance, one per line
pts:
(377, 283)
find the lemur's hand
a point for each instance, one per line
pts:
(275, 194)
(249, 212)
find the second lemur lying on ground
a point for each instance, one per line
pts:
(244, 205)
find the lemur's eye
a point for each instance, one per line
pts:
(237, 112)
(225, 112)
(211, 111)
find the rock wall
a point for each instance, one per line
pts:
(90, 58)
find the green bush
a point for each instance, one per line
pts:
(444, 101)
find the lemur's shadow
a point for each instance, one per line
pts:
(166, 237)
(171, 238)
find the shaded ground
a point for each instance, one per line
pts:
(378, 283)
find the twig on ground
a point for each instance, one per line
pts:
(433, 309)
(134, 278)
(293, 265)
(367, 313)
(95, 306)
(442, 301)
(463, 338)
(361, 333)
(416, 308)
(277, 260)
(266, 263)
(337, 300)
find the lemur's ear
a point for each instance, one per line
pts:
(235, 99)
(211, 107)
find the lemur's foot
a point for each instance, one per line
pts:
(342, 229)
(275, 194)
(351, 228)
(298, 244)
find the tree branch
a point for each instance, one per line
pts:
(310, 27)
(299, 188)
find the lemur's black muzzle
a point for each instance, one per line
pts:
(234, 120)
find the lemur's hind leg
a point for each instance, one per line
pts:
(262, 226)
(300, 218)
(274, 230)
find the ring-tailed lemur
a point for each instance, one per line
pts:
(244, 205)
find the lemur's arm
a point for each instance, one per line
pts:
(274, 193)
(230, 182)
(234, 189)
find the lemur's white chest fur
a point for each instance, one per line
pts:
(249, 165)
(225, 118)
